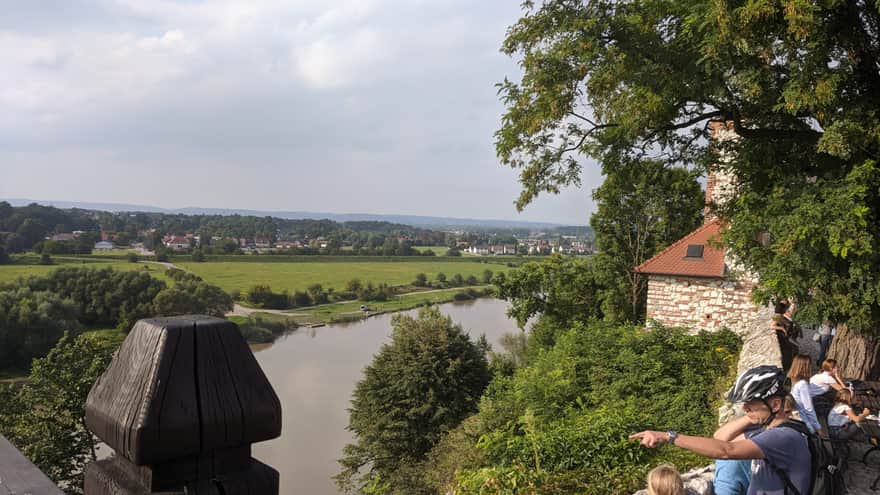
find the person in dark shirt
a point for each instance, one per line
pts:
(758, 435)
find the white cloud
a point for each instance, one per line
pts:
(306, 91)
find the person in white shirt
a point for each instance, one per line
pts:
(842, 421)
(799, 375)
(828, 378)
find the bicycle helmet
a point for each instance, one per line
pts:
(758, 383)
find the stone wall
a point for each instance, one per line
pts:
(700, 303)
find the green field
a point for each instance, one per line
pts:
(348, 311)
(25, 266)
(298, 276)
(438, 250)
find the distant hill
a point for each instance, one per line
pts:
(413, 220)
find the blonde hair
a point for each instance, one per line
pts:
(665, 480)
(801, 368)
(844, 396)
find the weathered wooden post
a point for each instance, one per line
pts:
(181, 403)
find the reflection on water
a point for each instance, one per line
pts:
(314, 371)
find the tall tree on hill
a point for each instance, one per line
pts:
(799, 83)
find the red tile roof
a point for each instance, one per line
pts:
(672, 261)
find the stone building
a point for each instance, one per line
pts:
(694, 282)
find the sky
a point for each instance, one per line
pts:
(361, 106)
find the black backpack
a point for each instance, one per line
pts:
(826, 470)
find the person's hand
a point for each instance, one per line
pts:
(650, 439)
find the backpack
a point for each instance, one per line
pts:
(826, 470)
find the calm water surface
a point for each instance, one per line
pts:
(314, 372)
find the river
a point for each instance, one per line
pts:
(314, 372)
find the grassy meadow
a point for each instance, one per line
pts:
(28, 265)
(298, 276)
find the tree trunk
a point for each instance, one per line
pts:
(858, 357)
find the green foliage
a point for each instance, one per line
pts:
(45, 418)
(419, 386)
(35, 311)
(559, 288)
(46, 259)
(192, 297)
(31, 323)
(640, 209)
(560, 425)
(103, 297)
(198, 256)
(797, 81)
(261, 296)
(260, 330)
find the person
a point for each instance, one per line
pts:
(842, 421)
(785, 345)
(757, 435)
(829, 377)
(826, 333)
(665, 480)
(823, 388)
(801, 390)
(732, 477)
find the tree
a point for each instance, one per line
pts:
(561, 290)
(31, 323)
(419, 386)
(354, 285)
(421, 280)
(640, 209)
(317, 294)
(4, 258)
(192, 298)
(798, 83)
(49, 423)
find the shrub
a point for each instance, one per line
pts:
(560, 424)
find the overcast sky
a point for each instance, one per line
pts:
(367, 106)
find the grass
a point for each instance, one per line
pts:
(298, 276)
(350, 311)
(439, 250)
(112, 253)
(28, 265)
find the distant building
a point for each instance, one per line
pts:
(177, 243)
(104, 246)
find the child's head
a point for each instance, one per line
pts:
(844, 396)
(829, 365)
(665, 480)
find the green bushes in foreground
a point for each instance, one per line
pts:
(560, 424)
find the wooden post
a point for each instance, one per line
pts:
(180, 404)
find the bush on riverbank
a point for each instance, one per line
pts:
(560, 424)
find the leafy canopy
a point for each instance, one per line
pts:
(45, 417)
(798, 81)
(419, 386)
(560, 424)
